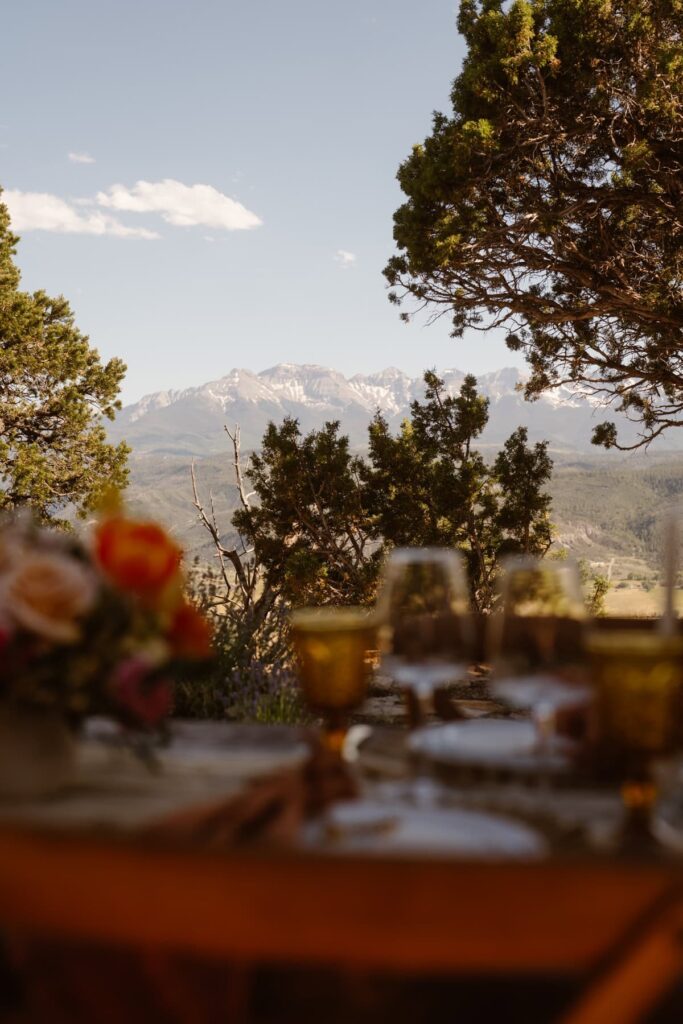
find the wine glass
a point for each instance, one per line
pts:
(424, 622)
(334, 649)
(535, 641)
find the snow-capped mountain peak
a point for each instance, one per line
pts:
(191, 421)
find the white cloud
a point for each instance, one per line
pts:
(344, 258)
(178, 204)
(81, 158)
(41, 211)
(181, 205)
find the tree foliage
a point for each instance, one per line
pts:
(310, 529)
(251, 675)
(53, 392)
(325, 518)
(596, 587)
(550, 201)
(429, 486)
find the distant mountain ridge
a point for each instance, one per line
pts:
(190, 421)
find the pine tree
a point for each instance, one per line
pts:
(549, 202)
(521, 473)
(429, 486)
(324, 518)
(54, 391)
(309, 529)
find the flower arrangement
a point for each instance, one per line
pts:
(95, 625)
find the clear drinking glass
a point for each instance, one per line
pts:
(535, 640)
(423, 612)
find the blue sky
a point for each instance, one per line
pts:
(293, 117)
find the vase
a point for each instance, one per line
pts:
(37, 753)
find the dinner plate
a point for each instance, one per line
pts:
(371, 827)
(498, 743)
(243, 762)
(220, 749)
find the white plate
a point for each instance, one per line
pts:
(241, 763)
(500, 743)
(219, 749)
(366, 826)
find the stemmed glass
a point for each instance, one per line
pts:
(335, 650)
(638, 679)
(424, 627)
(535, 641)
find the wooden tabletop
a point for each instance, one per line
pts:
(415, 914)
(577, 915)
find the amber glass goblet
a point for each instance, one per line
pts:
(335, 649)
(638, 681)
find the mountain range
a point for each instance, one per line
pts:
(605, 504)
(190, 422)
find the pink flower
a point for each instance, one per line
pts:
(141, 695)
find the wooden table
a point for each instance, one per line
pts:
(613, 924)
(618, 924)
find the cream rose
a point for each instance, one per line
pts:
(48, 593)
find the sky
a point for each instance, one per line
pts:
(212, 184)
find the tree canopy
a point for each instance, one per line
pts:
(54, 390)
(310, 531)
(429, 485)
(325, 517)
(550, 202)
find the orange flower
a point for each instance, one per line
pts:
(190, 634)
(137, 556)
